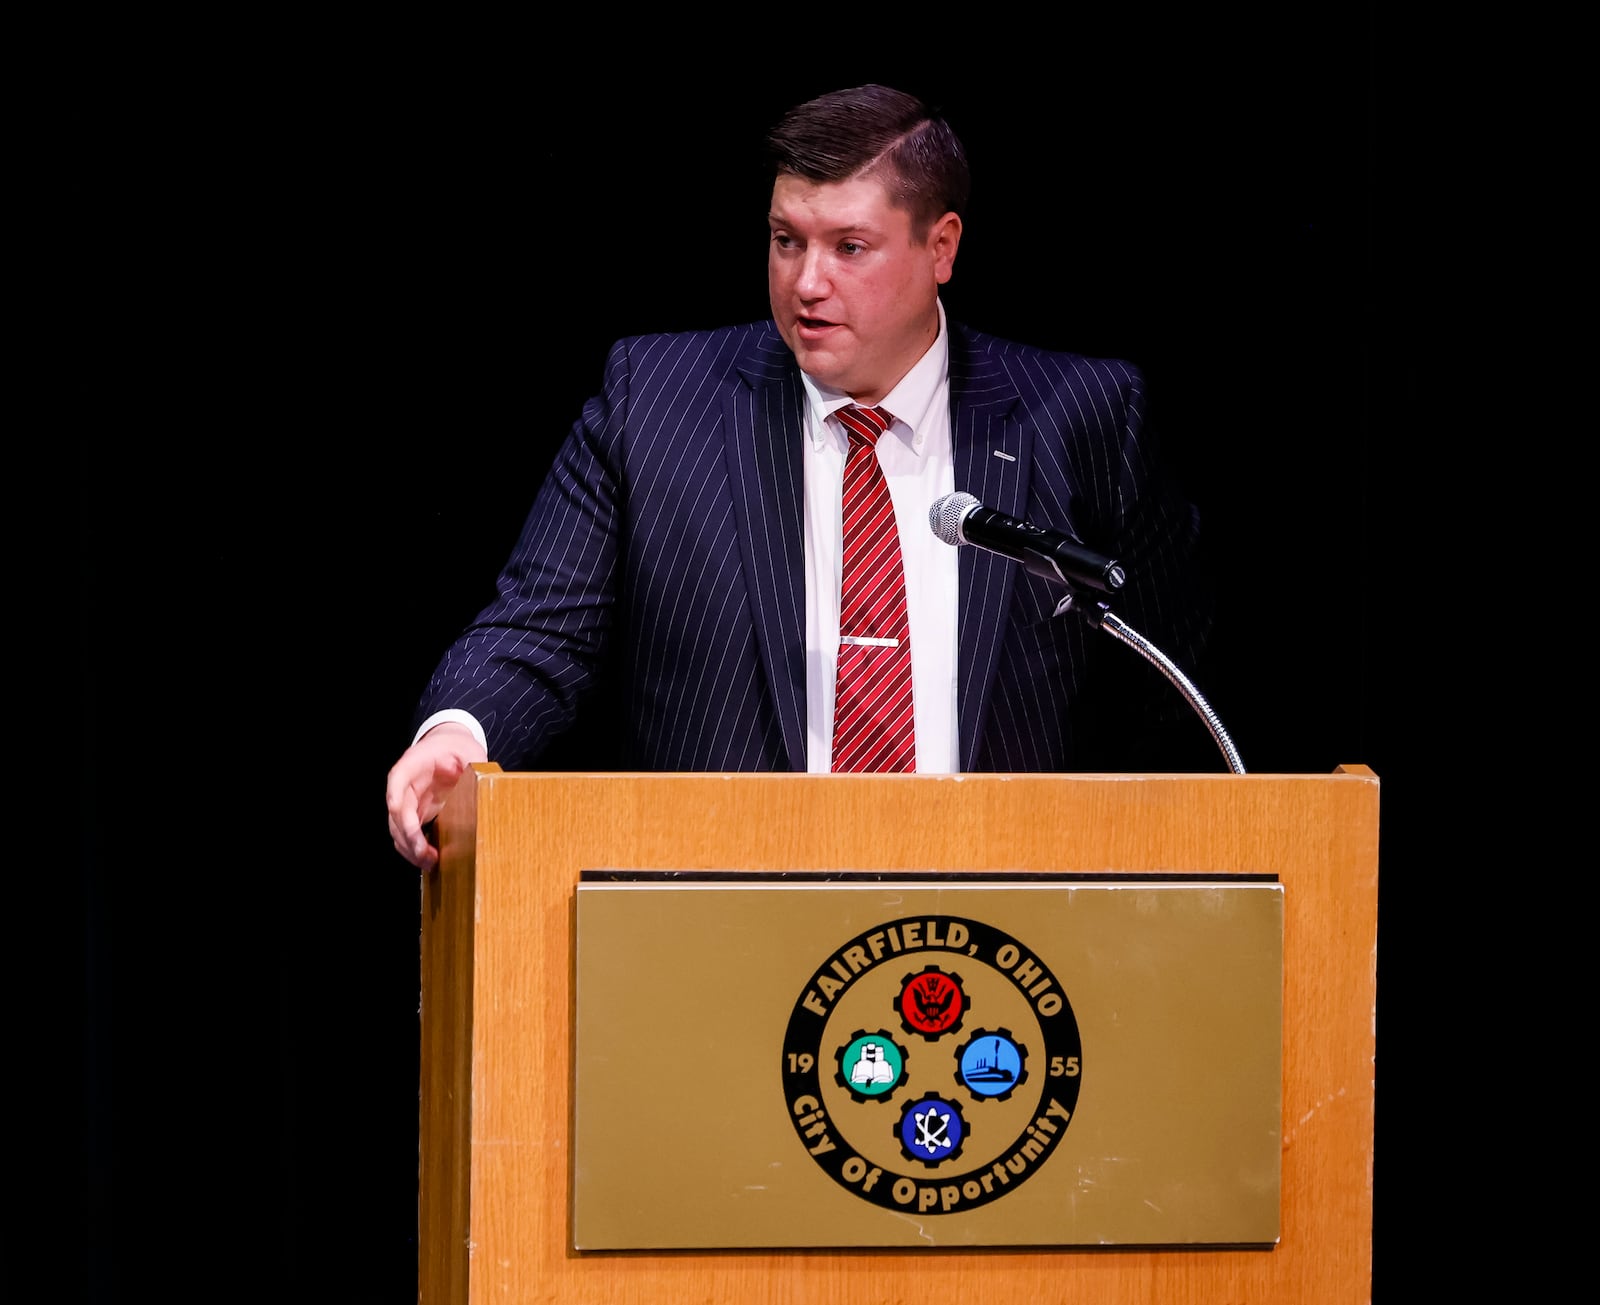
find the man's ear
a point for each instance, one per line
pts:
(943, 240)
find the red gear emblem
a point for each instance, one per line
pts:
(931, 1003)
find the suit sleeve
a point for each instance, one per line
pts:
(1066, 694)
(525, 662)
(1153, 528)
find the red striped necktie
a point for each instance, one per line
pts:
(872, 716)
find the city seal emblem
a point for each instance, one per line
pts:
(962, 1033)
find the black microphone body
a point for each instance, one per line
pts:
(960, 519)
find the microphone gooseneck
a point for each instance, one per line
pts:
(959, 518)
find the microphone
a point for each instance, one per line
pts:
(959, 518)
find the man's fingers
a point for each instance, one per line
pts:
(406, 801)
(417, 788)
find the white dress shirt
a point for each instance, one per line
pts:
(916, 460)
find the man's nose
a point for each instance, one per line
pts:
(812, 280)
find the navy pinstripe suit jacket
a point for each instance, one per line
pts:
(659, 573)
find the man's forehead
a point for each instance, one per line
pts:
(862, 204)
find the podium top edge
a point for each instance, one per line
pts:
(1347, 771)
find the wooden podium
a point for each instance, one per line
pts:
(498, 917)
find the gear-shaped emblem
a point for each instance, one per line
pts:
(992, 1065)
(931, 1130)
(871, 1066)
(932, 1003)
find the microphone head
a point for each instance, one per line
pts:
(947, 514)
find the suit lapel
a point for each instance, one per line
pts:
(993, 455)
(764, 433)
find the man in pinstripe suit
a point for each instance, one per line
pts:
(683, 551)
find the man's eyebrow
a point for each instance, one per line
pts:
(844, 229)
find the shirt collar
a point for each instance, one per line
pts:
(909, 401)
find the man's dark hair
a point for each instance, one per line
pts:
(878, 132)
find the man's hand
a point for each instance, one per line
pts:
(420, 782)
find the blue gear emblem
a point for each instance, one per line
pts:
(931, 1130)
(992, 1065)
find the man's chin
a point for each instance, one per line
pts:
(823, 366)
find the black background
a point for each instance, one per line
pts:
(363, 287)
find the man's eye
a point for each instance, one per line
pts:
(781, 240)
(849, 247)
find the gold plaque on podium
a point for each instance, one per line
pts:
(898, 1061)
